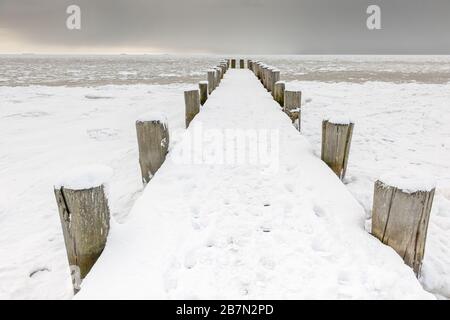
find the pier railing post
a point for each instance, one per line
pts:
(233, 63)
(218, 76)
(336, 142)
(242, 64)
(400, 220)
(211, 80)
(269, 79)
(153, 142)
(292, 106)
(279, 92)
(85, 221)
(192, 103)
(203, 87)
(275, 77)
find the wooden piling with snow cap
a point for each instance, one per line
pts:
(242, 64)
(269, 79)
(401, 211)
(82, 200)
(275, 77)
(153, 142)
(218, 76)
(336, 142)
(233, 63)
(211, 80)
(292, 105)
(278, 92)
(192, 104)
(203, 87)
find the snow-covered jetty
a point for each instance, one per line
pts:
(225, 220)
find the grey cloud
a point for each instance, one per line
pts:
(250, 26)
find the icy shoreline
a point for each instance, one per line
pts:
(64, 128)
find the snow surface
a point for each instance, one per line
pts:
(47, 130)
(85, 177)
(396, 126)
(408, 181)
(339, 119)
(241, 231)
(153, 116)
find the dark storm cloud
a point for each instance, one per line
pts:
(245, 26)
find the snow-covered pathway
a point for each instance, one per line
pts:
(282, 229)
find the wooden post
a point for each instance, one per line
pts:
(203, 87)
(218, 76)
(224, 69)
(84, 216)
(233, 63)
(336, 142)
(292, 105)
(275, 77)
(258, 70)
(192, 102)
(264, 76)
(242, 64)
(400, 220)
(211, 80)
(279, 92)
(269, 79)
(153, 142)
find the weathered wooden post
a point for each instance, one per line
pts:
(224, 70)
(203, 87)
(258, 71)
(269, 79)
(218, 76)
(242, 64)
(279, 92)
(153, 142)
(400, 218)
(192, 102)
(275, 77)
(336, 141)
(233, 63)
(263, 76)
(292, 105)
(84, 215)
(211, 80)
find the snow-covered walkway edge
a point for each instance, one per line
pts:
(246, 231)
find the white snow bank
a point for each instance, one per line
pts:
(408, 181)
(74, 132)
(153, 116)
(397, 126)
(85, 177)
(239, 231)
(340, 119)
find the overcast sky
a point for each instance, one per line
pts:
(226, 26)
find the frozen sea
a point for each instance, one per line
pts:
(58, 112)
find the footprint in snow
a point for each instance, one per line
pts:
(103, 134)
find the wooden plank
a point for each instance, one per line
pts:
(292, 105)
(85, 221)
(400, 220)
(336, 143)
(203, 87)
(153, 141)
(192, 103)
